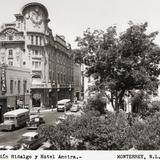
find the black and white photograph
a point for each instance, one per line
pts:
(80, 75)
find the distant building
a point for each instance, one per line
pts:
(77, 81)
(28, 43)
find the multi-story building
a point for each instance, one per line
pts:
(29, 43)
(60, 70)
(15, 87)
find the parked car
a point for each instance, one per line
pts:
(64, 105)
(31, 141)
(75, 107)
(35, 121)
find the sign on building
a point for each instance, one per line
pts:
(3, 81)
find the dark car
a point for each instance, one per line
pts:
(31, 141)
(35, 121)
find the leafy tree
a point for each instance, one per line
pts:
(121, 63)
(78, 56)
(97, 103)
(140, 103)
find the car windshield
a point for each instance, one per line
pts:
(27, 138)
(61, 104)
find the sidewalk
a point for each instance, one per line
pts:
(42, 110)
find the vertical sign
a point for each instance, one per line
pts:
(3, 81)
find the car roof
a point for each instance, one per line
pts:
(16, 112)
(29, 134)
(64, 101)
(34, 116)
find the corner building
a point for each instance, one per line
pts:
(32, 45)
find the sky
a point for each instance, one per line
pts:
(72, 17)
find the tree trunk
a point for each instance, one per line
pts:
(120, 99)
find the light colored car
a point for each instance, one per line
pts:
(64, 105)
(75, 107)
(31, 141)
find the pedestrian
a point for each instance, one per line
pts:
(52, 107)
(38, 111)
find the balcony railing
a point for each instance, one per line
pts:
(8, 39)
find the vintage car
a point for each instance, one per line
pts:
(35, 121)
(31, 141)
(75, 107)
(64, 105)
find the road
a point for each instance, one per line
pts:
(11, 137)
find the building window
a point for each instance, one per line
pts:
(17, 58)
(11, 86)
(39, 64)
(36, 65)
(10, 52)
(58, 78)
(36, 52)
(40, 41)
(2, 59)
(32, 39)
(36, 40)
(61, 78)
(19, 86)
(10, 37)
(24, 86)
(10, 63)
(64, 78)
(24, 63)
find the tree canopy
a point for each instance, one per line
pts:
(121, 62)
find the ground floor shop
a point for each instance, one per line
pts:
(47, 98)
(3, 108)
(40, 97)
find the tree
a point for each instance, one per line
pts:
(122, 63)
(78, 56)
(97, 103)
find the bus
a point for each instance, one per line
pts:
(15, 119)
(64, 105)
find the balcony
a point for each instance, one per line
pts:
(39, 84)
(11, 40)
(39, 57)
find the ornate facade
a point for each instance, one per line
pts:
(29, 43)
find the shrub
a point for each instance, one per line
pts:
(90, 132)
(97, 103)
